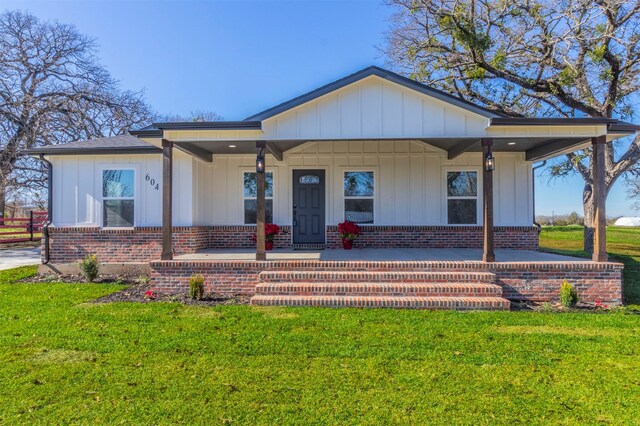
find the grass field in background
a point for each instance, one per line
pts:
(623, 245)
(4, 236)
(66, 360)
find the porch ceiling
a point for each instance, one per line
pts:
(536, 148)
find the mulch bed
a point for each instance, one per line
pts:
(136, 291)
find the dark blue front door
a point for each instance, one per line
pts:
(308, 207)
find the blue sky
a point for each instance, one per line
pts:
(239, 57)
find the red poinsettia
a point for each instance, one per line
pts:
(270, 231)
(349, 230)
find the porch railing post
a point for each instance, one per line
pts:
(167, 200)
(599, 199)
(260, 205)
(488, 254)
(31, 225)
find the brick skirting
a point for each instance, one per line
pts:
(141, 244)
(241, 236)
(70, 244)
(506, 237)
(536, 281)
(144, 244)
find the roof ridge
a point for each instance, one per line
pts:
(372, 70)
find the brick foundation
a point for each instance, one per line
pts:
(536, 281)
(242, 237)
(506, 237)
(143, 244)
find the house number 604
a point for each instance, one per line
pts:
(155, 185)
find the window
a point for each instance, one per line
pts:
(250, 194)
(118, 192)
(309, 180)
(462, 198)
(358, 197)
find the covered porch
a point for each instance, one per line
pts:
(378, 255)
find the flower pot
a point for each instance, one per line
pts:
(347, 243)
(268, 245)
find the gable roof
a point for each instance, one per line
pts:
(381, 73)
(121, 144)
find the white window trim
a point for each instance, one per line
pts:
(478, 197)
(243, 198)
(374, 197)
(136, 193)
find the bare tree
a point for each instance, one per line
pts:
(522, 58)
(633, 188)
(197, 115)
(54, 90)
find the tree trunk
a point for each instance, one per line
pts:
(2, 199)
(589, 216)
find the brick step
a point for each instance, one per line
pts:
(406, 302)
(376, 276)
(380, 289)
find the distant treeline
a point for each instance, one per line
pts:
(572, 218)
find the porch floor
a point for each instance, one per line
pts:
(381, 254)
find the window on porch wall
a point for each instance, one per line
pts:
(118, 198)
(250, 194)
(358, 196)
(462, 198)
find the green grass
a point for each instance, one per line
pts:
(4, 236)
(623, 245)
(64, 360)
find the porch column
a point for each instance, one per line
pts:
(599, 199)
(167, 199)
(260, 204)
(488, 254)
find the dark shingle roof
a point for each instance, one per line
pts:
(121, 144)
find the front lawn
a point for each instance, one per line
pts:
(65, 360)
(623, 245)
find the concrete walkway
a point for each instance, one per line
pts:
(400, 254)
(14, 257)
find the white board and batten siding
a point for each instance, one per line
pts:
(77, 190)
(410, 185)
(409, 177)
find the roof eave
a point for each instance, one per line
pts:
(210, 125)
(92, 151)
(146, 133)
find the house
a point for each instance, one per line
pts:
(442, 188)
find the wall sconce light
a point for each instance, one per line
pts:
(260, 161)
(489, 162)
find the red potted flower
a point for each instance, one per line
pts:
(349, 231)
(270, 231)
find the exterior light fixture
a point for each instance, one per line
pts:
(489, 162)
(260, 161)
(232, 146)
(511, 143)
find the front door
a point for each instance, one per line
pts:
(308, 207)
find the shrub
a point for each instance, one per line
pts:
(90, 267)
(196, 287)
(568, 295)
